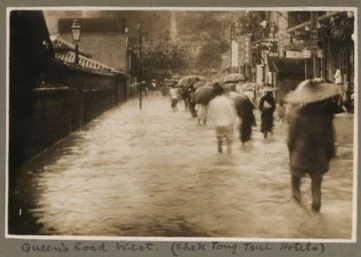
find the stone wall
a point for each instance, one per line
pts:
(50, 120)
(58, 111)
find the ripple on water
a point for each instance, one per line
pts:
(154, 172)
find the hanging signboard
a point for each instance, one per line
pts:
(294, 54)
(314, 40)
(247, 50)
(320, 53)
(306, 53)
(241, 51)
(280, 45)
(234, 60)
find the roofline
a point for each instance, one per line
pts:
(320, 18)
(68, 44)
(91, 71)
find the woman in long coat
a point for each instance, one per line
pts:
(267, 106)
(311, 145)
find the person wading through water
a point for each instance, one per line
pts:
(267, 107)
(223, 115)
(311, 136)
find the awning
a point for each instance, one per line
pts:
(286, 66)
(308, 23)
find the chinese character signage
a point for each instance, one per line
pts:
(234, 60)
(314, 40)
(247, 50)
(306, 53)
(241, 50)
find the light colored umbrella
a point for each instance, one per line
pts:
(312, 90)
(233, 77)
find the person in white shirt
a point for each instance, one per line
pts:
(338, 76)
(222, 113)
(173, 94)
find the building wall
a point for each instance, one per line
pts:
(45, 126)
(59, 111)
(107, 48)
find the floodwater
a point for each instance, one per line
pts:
(155, 172)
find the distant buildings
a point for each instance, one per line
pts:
(104, 39)
(65, 51)
(287, 47)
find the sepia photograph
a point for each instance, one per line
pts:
(190, 123)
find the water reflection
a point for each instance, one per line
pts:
(155, 173)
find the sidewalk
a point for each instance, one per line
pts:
(344, 126)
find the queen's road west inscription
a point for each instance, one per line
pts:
(177, 249)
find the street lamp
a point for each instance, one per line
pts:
(75, 32)
(140, 65)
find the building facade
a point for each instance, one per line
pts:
(106, 41)
(288, 47)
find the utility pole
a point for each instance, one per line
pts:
(140, 65)
(231, 36)
(314, 42)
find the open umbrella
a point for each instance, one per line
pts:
(204, 94)
(199, 84)
(229, 86)
(233, 77)
(187, 81)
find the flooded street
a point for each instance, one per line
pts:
(155, 172)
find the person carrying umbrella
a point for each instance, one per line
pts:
(267, 106)
(311, 136)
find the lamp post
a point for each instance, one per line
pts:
(140, 65)
(75, 32)
(126, 30)
(314, 41)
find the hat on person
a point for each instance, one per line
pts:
(312, 90)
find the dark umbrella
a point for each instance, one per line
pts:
(199, 84)
(204, 94)
(188, 81)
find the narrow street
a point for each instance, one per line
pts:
(155, 172)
